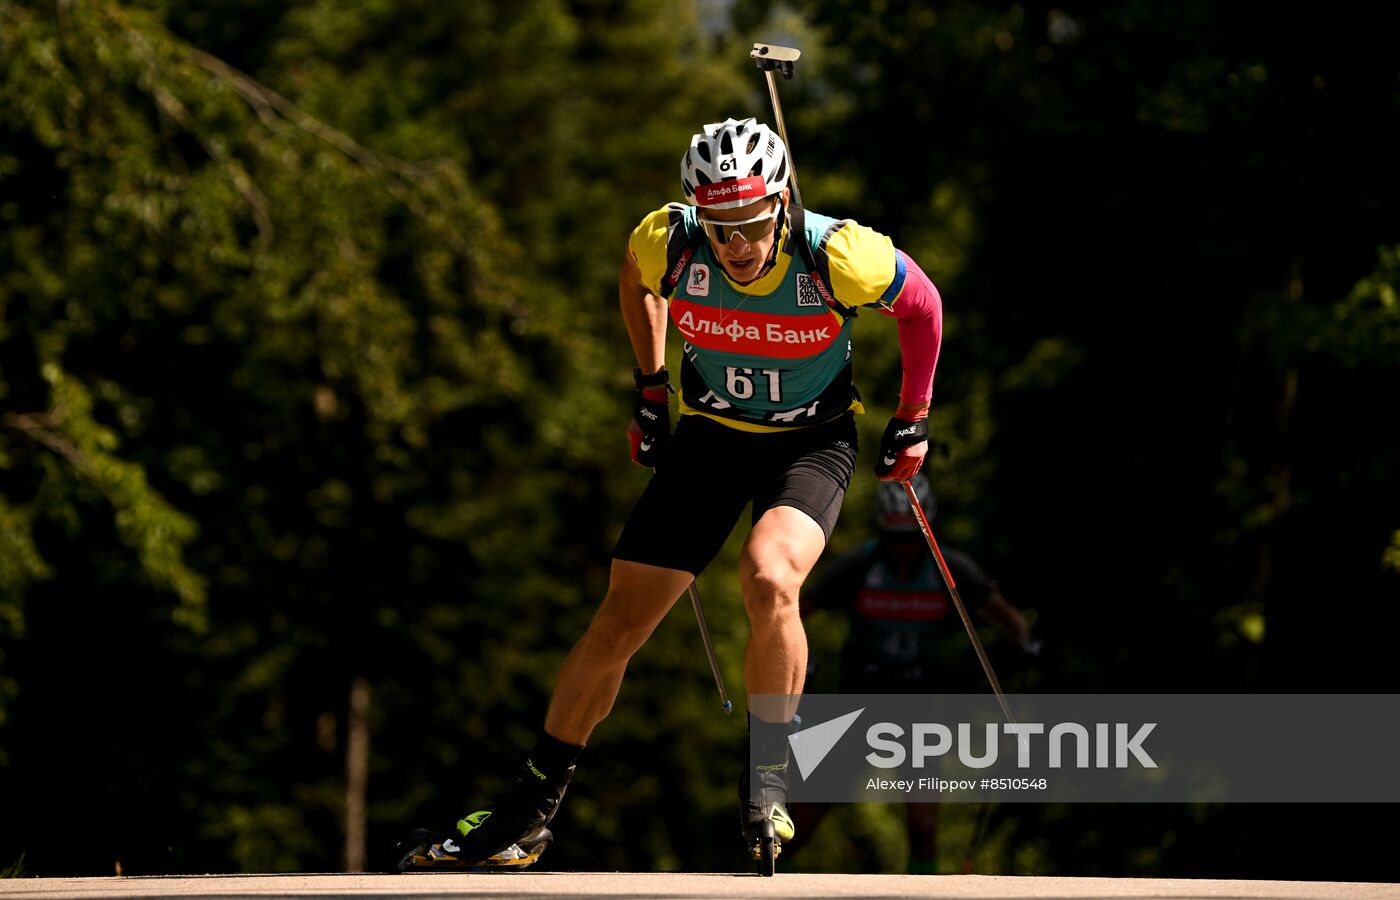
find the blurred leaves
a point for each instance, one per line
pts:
(311, 370)
(282, 406)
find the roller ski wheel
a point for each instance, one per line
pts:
(418, 853)
(767, 846)
(763, 815)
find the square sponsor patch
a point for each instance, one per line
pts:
(697, 282)
(807, 291)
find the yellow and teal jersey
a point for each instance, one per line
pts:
(775, 353)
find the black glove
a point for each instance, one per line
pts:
(650, 431)
(900, 433)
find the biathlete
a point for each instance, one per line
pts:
(901, 621)
(763, 294)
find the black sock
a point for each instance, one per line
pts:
(768, 739)
(552, 757)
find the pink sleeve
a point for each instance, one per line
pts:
(919, 310)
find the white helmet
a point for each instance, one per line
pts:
(732, 163)
(892, 511)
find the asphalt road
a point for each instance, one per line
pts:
(679, 886)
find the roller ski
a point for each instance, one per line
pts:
(763, 815)
(418, 852)
(510, 836)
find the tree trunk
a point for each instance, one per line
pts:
(357, 777)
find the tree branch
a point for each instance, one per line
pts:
(44, 428)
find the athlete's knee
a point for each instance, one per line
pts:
(615, 634)
(770, 591)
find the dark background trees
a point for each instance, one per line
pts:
(311, 378)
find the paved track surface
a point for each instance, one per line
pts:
(678, 886)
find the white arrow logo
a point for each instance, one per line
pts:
(811, 745)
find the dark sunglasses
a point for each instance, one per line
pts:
(753, 230)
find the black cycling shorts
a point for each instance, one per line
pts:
(711, 471)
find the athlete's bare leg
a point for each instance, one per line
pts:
(638, 598)
(780, 552)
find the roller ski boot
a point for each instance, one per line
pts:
(418, 851)
(511, 835)
(763, 801)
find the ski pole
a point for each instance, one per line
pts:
(957, 600)
(709, 647)
(771, 58)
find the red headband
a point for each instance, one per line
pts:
(725, 191)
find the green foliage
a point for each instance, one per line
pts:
(319, 395)
(311, 370)
(1391, 557)
(1362, 331)
(15, 869)
(1169, 345)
